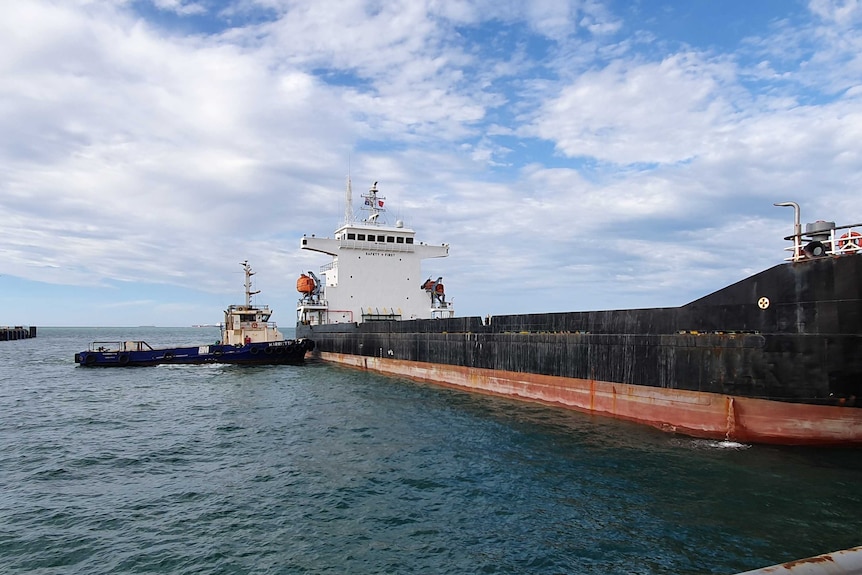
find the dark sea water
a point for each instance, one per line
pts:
(320, 469)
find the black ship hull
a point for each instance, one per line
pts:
(776, 357)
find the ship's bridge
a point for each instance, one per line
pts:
(375, 270)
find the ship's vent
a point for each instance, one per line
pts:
(819, 230)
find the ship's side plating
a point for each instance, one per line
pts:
(798, 348)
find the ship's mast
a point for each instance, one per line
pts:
(373, 204)
(348, 209)
(248, 273)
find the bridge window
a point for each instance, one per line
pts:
(399, 240)
(390, 240)
(409, 240)
(351, 236)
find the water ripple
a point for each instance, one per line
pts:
(318, 469)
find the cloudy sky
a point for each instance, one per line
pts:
(576, 154)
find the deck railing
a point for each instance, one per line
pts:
(837, 241)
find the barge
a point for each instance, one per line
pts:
(774, 358)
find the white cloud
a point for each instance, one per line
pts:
(180, 7)
(842, 12)
(654, 112)
(538, 140)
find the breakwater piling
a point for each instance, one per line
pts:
(17, 332)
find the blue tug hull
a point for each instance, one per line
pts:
(286, 352)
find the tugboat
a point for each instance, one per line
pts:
(247, 338)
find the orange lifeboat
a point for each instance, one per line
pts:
(305, 284)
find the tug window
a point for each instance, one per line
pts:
(390, 240)
(399, 240)
(351, 236)
(409, 240)
(360, 237)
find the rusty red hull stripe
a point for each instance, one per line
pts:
(698, 414)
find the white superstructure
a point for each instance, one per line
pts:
(375, 272)
(244, 324)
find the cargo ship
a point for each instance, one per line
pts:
(774, 358)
